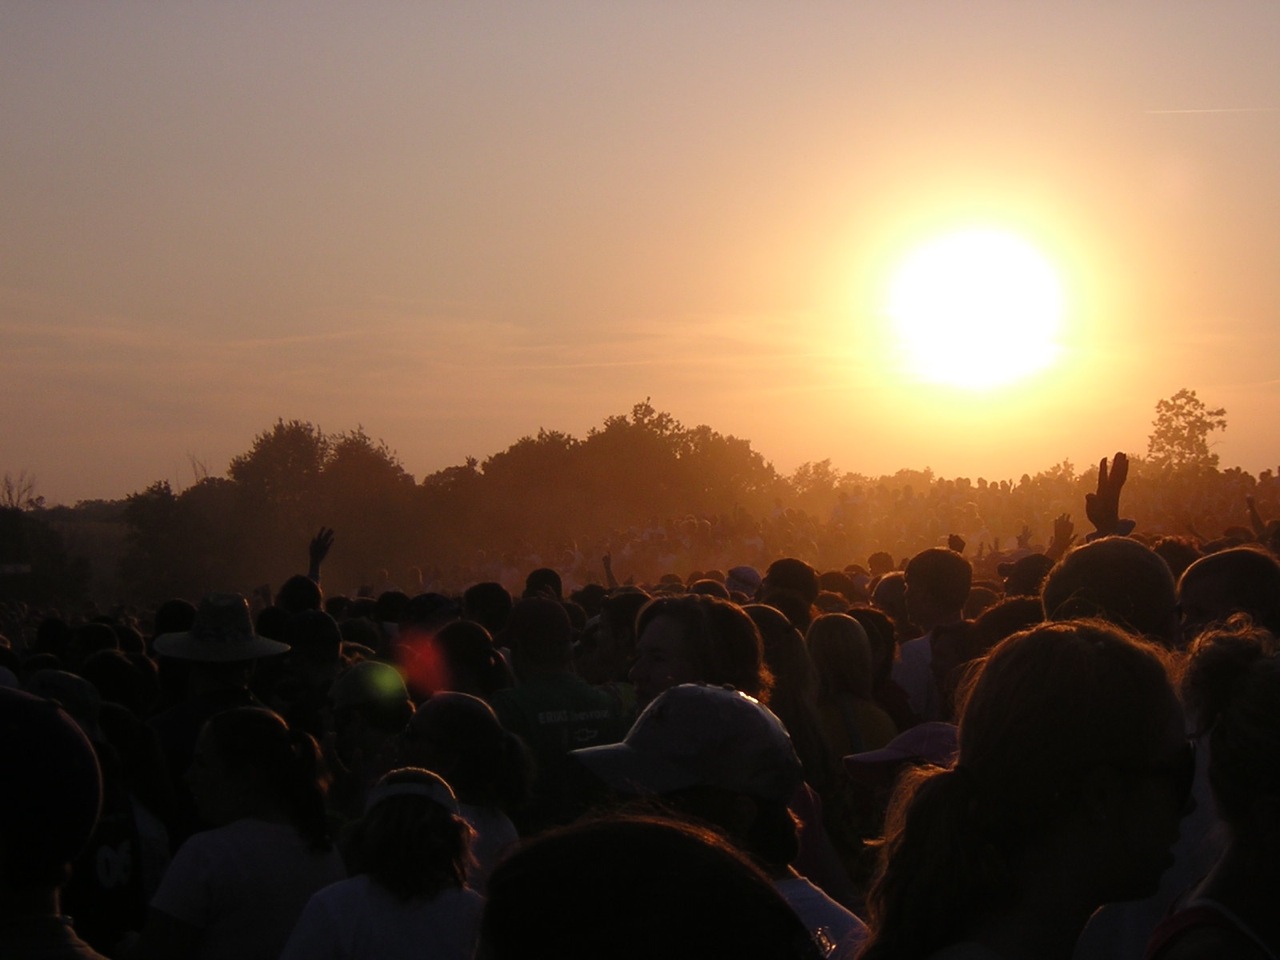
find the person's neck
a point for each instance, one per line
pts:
(942, 619)
(1044, 924)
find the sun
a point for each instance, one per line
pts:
(976, 308)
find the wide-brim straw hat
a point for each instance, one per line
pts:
(222, 633)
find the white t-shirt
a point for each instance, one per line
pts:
(838, 932)
(357, 918)
(913, 672)
(244, 885)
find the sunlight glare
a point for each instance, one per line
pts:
(977, 308)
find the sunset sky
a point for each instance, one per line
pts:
(455, 223)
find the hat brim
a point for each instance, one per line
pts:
(626, 770)
(184, 646)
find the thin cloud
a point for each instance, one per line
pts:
(1187, 110)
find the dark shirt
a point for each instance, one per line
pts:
(555, 713)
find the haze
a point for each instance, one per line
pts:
(456, 223)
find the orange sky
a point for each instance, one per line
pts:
(456, 223)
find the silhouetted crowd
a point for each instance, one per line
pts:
(1057, 750)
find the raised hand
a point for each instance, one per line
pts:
(1064, 534)
(956, 542)
(1103, 508)
(318, 550)
(1255, 519)
(1024, 538)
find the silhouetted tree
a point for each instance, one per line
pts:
(1180, 432)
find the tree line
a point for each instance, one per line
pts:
(544, 495)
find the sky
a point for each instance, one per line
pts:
(453, 224)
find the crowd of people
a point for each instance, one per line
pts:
(1065, 751)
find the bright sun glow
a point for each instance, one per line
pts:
(978, 309)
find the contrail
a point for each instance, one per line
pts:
(1217, 110)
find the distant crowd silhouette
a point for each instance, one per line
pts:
(949, 748)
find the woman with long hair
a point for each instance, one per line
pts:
(1232, 685)
(841, 653)
(236, 891)
(1072, 775)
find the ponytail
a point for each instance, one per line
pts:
(285, 764)
(304, 790)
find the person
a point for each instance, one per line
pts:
(459, 737)
(635, 888)
(696, 638)
(409, 899)
(236, 891)
(1232, 684)
(722, 757)
(841, 654)
(1239, 580)
(219, 652)
(50, 793)
(937, 586)
(370, 710)
(552, 709)
(1119, 580)
(1072, 775)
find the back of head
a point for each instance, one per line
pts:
(315, 635)
(543, 582)
(459, 736)
(174, 616)
(488, 604)
(377, 692)
(713, 588)
(1048, 706)
(1239, 580)
(1004, 619)
(299, 593)
(619, 611)
(880, 634)
(257, 748)
(792, 574)
(841, 654)
(636, 889)
(1025, 576)
(1232, 687)
(50, 792)
(1118, 580)
(540, 634)
(942, 575)
(411, 840)
(471, 662)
